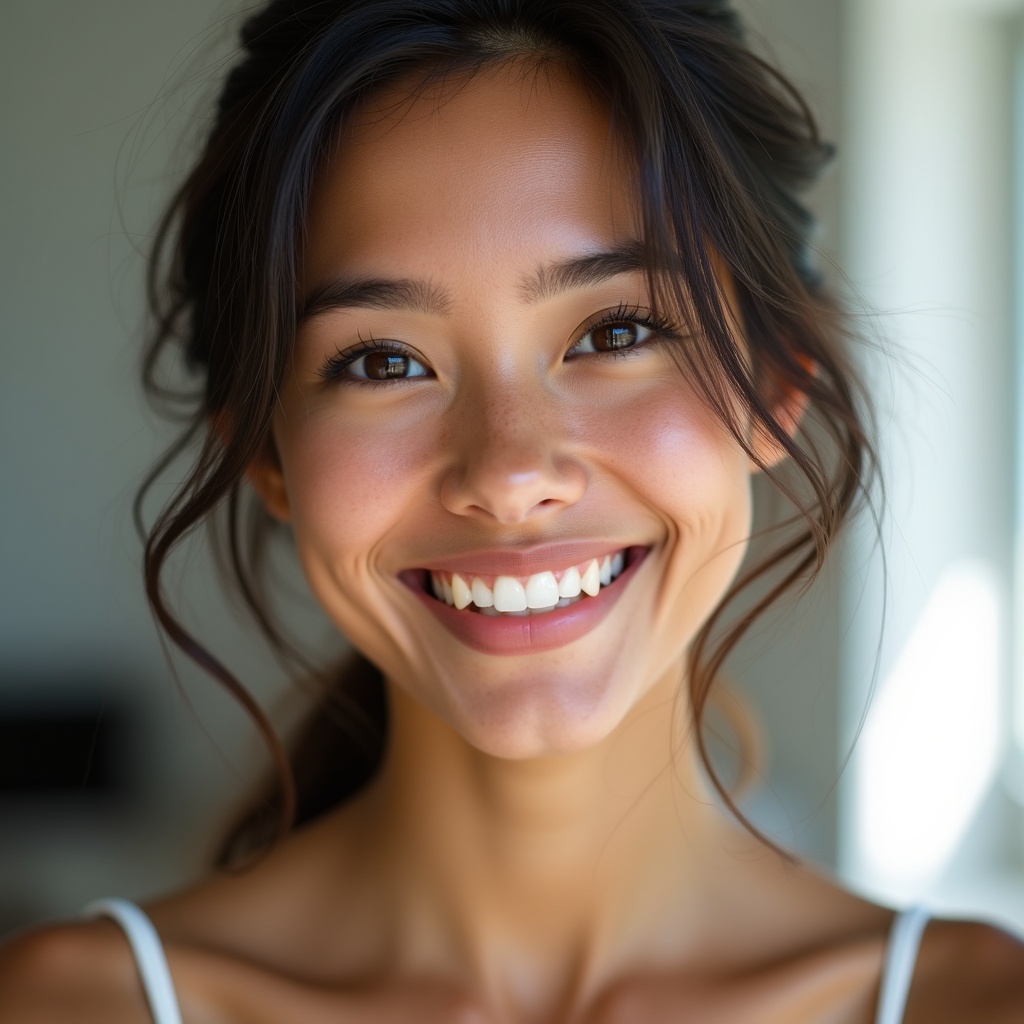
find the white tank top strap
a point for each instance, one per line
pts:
(149, 956)
(900, 959)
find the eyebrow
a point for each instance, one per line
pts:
(422, 296)
(376, 293)
(582, 271)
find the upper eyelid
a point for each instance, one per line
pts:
(636, 311)
(365, 347)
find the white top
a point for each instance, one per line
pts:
(149, 956)
(900, 958)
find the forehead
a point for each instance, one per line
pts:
(508, 163)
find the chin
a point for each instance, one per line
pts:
(527, 717)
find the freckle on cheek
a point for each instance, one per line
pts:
(348, 479)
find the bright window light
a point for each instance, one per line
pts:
(931, 743)
(1017, 780)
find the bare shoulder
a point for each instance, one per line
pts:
(968, 971)
(76, 973)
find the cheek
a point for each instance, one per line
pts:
(349, 480)
(680, 460)
(686, 468)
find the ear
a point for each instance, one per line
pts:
(264, 473)
(267, 480)
(789, 408)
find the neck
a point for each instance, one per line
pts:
(569, 864)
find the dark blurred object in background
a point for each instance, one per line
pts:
(61, 750)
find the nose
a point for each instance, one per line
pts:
(511, 458)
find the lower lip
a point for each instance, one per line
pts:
(530, 634)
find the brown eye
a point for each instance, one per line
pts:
(384, 365)
(615, 336)
(381, 366)
(612, 337)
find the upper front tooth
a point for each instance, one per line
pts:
(606, 570)
(447, 587)
(569, 584)
(542, 590)
(460, 591)
(483, 597)
(509, 595)
(618, 563)
(590, 581)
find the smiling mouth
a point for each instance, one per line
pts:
(521, 596)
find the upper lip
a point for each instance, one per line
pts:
(526, 561)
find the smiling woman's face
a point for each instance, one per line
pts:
(482, 401)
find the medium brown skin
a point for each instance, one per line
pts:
(539, 847)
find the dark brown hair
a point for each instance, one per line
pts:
(723, 147)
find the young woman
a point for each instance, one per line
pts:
(499, 306)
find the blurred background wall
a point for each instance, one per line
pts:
(931, 232)
(136, 767)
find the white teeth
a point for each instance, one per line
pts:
(569, 584)
(509, 595)
(618, 563)
(461, 592)
(542, 590)
(590, 581)
(482, 595)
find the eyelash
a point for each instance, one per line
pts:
(662, 329)
(334, 367)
